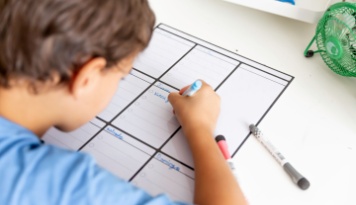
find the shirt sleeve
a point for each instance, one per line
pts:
(64, 177)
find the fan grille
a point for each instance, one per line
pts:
(337, 28)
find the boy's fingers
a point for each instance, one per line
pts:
(172, 97)
(183, 89)
(206, 84)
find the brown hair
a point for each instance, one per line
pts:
(39, 38)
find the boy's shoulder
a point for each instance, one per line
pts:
(32, 170)
(24, 153)
(36, 173)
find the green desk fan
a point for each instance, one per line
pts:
(336, 39)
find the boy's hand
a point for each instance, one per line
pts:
(198, 112)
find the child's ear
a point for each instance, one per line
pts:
(87, 78)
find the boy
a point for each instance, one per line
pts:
(60, 63)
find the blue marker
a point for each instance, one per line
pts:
(193, 88)
(288, 1)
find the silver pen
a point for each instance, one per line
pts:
(296, 177)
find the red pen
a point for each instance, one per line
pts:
(221, 141)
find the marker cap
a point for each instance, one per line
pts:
(297, 178)
(193, 88)
(196, 85)
(219, 138)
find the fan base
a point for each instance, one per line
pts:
(309, 53)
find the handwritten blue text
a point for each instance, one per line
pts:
(167, 162)
(161, 96)
(115, 133)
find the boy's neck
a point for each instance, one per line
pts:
(31, 111)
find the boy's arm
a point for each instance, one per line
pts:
(214, 182)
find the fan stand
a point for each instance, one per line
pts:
(310, 53)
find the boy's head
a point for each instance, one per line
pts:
(79, 48)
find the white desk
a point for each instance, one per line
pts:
(314, 122)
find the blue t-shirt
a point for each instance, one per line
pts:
(34, 173)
